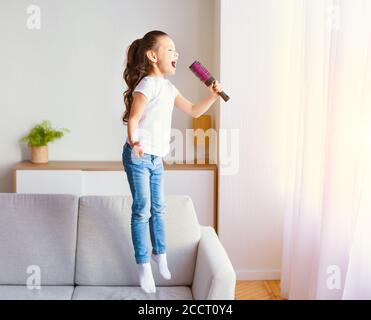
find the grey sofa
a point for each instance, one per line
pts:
(80, 248)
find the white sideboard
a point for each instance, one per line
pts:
(199, 181)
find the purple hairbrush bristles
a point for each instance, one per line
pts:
(199, 70)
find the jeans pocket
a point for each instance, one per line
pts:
(130, 158)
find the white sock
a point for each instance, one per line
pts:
(161, 261)
(146, 280)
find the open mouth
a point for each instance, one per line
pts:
(173, 63)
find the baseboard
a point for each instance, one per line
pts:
(272, 274)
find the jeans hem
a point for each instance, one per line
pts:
(142, 261)
(158, 252)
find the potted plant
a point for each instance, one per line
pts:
(38, 139)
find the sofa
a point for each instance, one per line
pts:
(63, 247)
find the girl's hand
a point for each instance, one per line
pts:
(137, 149)
(215, 88)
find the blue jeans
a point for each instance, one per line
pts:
(146, 181)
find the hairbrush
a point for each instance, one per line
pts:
(201, 72)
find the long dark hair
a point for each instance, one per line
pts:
(138, 66)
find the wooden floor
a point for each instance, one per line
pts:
(258, 290)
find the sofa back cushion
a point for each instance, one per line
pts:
(105, 254)
(37, 238)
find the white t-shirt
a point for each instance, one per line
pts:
(154, 127)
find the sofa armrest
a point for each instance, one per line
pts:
(214, 277)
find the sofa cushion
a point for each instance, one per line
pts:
(44, 293)
(37, 238)
(131, 293)
(105, 254)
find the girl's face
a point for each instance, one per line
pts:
(165, 57)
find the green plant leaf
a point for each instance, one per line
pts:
(42, 134)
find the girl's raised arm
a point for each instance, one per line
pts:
(184, 104)
(198, 109)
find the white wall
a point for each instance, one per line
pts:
(251, 203)
(70, 71)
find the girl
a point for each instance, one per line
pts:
(149, 102)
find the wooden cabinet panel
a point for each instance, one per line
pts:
(105, 183)
(49, 181)
(108, 178)
(199, 185)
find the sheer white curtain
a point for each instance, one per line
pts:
(327, 231)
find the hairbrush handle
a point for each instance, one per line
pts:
(224, 96)
(201, 72)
